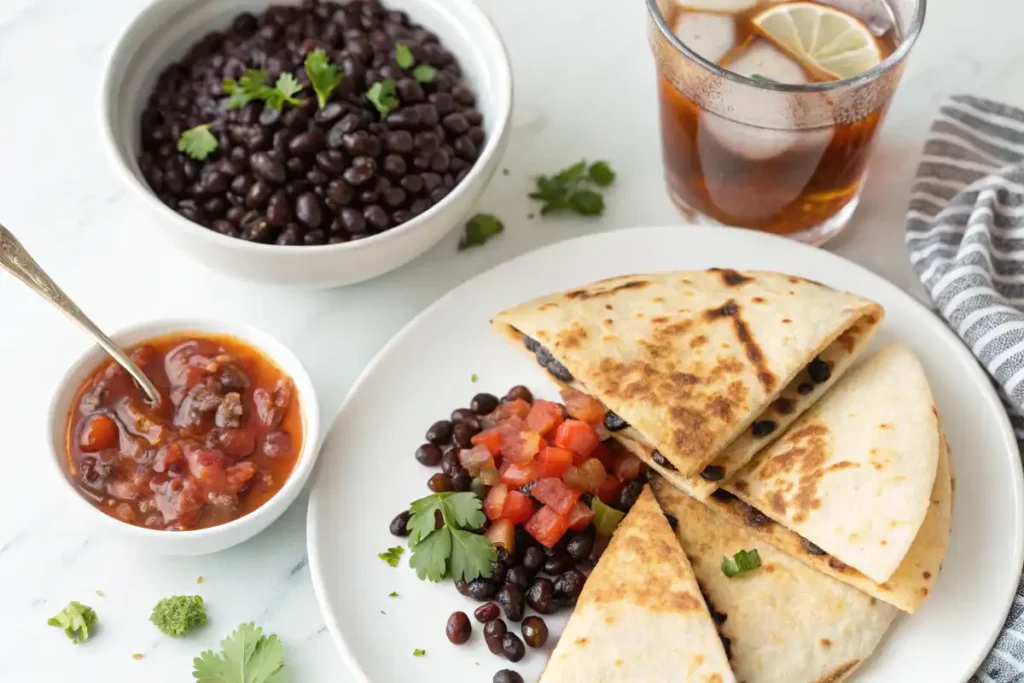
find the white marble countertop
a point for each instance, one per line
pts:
(58, 193)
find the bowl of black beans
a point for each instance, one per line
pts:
(314, 143)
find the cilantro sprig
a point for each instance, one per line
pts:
(323, 75)
(247, 656)
(573, 189)
(198, 142)
(742, 562)
(453, 549)
(76, 619)
(383, 96)
(255, 85)
(479, 229)
(424, 73)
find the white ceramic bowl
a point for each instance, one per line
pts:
(163, 32)
(200, 541)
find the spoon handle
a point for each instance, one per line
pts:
(17, 261)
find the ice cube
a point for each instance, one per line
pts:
(722, 6)
(767, 61)
(711, 36)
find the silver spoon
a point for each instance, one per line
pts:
(15, 260)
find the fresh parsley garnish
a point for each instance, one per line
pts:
(76, 619)
(179, 614)
(424, 73)
(759, 77)
(453, 550)
(198, 142)
(393, 594)
(255, 85)
(247, 656)
(392, 555)
(741, 563)
(323, 75)
(403, 56)
(571, 189)
(382, 96)
(479, 229)
(606, 518)
(418, 652)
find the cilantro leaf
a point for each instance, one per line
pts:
(765, 79)
(479, 229)
(255, 85)
(76, 619)
(247, 656)
(198, 142)
(586, 203)
(392, 555)
(430, 556)
(422, 521)
(283, 91)
(403, 56)
(464, 510)
(572, 173)
(324, 76)
(424, 73)
(741, 563)
(382, 96)
(418, 652)
(472, 555)
(601, 174)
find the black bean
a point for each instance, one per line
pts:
(569, 584)
(439, 483)
(763, 427)
(535, 632)
(290, 236)
(486, 613)
(819, 370)
(450, 464)
(308, 211)
(628, 495)
(462, 587)
(614, 423)
(458, 629)
(398, 524)
(455, 123)
(811, 548)
(805, 388)
(541, 596)
(510, 597)
(377, 218)
(519, 392)
(330, 113)
(481, 589)
(519, 576)
(258, 195)
(362, 170)
(673, 522)
(512, 647)
(462, 482)
(712, 473)
(440, 432)
(429, 454)
(462, 415)
(494, 631)
(662, 460)
(579, 546)
(482, 404)
(600, 544)
(506, 676)
(268, 168)
(464, 432)
(558, 562)
(533, 559)
(331, 162)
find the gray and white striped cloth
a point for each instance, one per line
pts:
(965, 235)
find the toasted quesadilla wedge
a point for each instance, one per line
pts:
(641, 616)
(854, 475)
(704, 368)
(785, 622)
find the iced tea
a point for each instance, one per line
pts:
(769, 108)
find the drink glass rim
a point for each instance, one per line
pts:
(898, 55)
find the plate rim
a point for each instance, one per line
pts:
(938, 324)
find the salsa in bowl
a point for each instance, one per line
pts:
(223, 453)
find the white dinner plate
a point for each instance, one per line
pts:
(368, 473)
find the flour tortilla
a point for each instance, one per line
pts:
(690, 360)
(854, 475)
(785, 622)
(641, 616)
(912, 582)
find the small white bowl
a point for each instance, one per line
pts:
(199, 541)
(163, 32)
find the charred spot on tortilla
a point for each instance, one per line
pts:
(726, 645)
(663, 461)
(926, 575)
(759, 300)
(760, 428)
(839, 672)
(811, 548)
(804, 388)
(730, 309)
(819, 370)
(583, 294)
(754, 517)
(614, 423)
(712, 473)
(571, 338)
(825, 642)
(730, 277)
(672, 521)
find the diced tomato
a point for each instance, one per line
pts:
(554, 461)
(476, 458)
(518, 507)
(583, 407)
(547, 526)
(522, 447)
(555, 494)
(626, 466)
(609, 489)
(490, 438)
(99, 432)
(544, 417)
(514, 475)
(516, 407)
(578, 437)
(502, 532)
(603, 453)
(586, 477)
(580, 516)
(494, 503)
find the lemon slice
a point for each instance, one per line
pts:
(822, 38)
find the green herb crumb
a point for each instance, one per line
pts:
(479, 229)
(177, 615)
(392, 555)
(418, 653)
(76, 619)
(393, 594)
(474, 377)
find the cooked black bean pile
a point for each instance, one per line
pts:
(303, 175)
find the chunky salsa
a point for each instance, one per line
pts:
(222, 441)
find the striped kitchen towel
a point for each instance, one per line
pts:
(965, 235)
